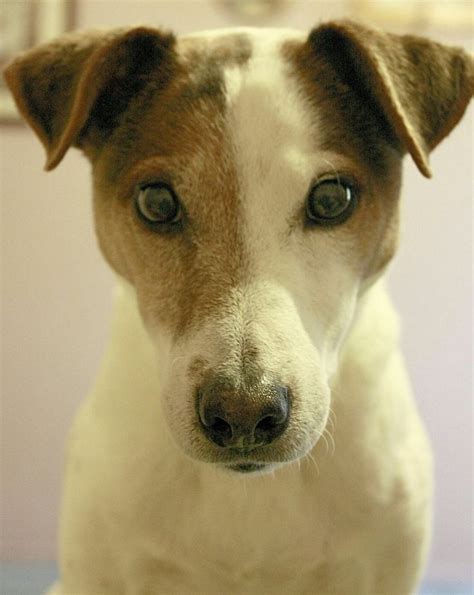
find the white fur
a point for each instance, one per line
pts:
(366, 500)
(349, 518)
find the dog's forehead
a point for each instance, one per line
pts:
(254, 84)
(221, 81)
(240, 57)
(236, 66)
(260, 98)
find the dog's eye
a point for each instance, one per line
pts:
(157, 204)
(330, 202)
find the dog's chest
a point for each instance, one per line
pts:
(240, 535)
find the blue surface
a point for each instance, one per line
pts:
(446, 589)
(35, 577)
(32, 578)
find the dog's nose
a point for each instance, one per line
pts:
(243, 418)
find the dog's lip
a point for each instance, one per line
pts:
(246, 467)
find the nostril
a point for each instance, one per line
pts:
(267, 423)
(273, 423)
(269, 428)
(221, 428)
(218, 429)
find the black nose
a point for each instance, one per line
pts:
(245, 417)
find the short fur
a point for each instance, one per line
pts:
(242, 294)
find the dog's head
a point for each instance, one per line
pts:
(246, 185)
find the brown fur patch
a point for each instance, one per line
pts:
(421, 88)
(354, 138)
(205, 60)
(85, 81)
(177, 135)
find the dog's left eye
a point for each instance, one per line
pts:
(158, 205)
(330, 202)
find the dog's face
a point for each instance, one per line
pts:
(248, 222)
(247, 188)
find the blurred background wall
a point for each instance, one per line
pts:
(56, 289)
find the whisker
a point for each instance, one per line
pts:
(332, 417)
(323, 436)
(312, 459)
(331, 439)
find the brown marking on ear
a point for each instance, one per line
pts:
(58, 85)
(421, 87)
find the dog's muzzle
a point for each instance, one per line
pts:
(244, 418)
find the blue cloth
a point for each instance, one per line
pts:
(26, 578)
(34, 578)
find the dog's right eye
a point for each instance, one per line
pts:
(158, 205)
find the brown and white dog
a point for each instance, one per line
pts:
(251, 430)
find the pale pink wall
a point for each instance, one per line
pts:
(432, 286)
(56, 295)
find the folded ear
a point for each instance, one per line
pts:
(421, 87)
(84, 81)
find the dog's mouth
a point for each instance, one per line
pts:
(248, 467)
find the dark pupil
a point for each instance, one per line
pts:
(160, 205)
(329, 199)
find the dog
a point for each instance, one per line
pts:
(251, 429)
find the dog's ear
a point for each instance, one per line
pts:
(84, 81)
(422, 88)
